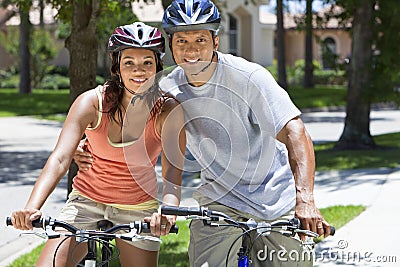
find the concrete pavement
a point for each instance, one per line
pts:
(25, 144)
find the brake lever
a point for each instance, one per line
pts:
(307, 232)
(41, 235)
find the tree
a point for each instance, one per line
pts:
(23, 7)
(373, 69)
(82, 46)
(308, 58)
(24, 52)
(356, 133)
(280, 41)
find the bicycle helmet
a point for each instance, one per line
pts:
(187, 15)
(137, 35)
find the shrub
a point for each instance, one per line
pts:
(55, 82)
(321, 77)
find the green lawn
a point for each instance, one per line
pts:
(320, 96)
(48, 102)
(387, 155)
(42, 103)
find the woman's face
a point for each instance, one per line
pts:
(138, 68)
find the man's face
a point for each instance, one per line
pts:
(193, 50)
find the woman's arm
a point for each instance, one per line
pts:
(82, 113)
(173, 139)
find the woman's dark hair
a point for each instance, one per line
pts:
(115, 90)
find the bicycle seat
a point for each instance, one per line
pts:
(103, 225)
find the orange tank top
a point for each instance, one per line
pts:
(122, 173)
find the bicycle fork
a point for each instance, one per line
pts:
(243, 260)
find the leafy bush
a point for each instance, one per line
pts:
(330, 77)
(321, 77)
(273, 69)
(55, 82)
(9, 81)
(49, 82)
(42, 48)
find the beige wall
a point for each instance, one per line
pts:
(255, 40)
(295, 44)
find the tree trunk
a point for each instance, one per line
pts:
(82, 45)
(356, 133)
(41, 16)
(24, 53)
(280, 41)
(308, 58)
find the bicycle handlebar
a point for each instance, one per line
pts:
(183, 211)
(204, 212)
(141, 227)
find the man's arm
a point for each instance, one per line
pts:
(302, 162)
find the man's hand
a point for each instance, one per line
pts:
(82, 157)
(311, 219)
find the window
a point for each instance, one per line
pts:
(233, 35)
(329, 56)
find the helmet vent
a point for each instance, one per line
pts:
(140, 34)
(207, 10)
(195, 6)
(183, 7)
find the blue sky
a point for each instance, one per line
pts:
(294, 6)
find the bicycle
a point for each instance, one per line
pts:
(212, 218)
(104, 235)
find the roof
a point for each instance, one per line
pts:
(49, 14)
(290, 20)
(151, 11)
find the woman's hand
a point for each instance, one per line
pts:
(160, 224)
(22, 219)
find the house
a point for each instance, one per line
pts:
(246, 30)
(241, 32)
(329, 40)
(249, 31)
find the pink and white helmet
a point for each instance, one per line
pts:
(137, 35)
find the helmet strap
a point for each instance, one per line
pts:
(206, 67)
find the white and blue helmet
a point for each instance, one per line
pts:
(188, 15)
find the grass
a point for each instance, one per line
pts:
(318, 97)
(174, 247)
(45, 103)
(41, 103)
(386, 155)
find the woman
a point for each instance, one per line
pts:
(128, 121)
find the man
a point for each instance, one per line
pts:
(256, 157)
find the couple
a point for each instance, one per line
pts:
(256, 158)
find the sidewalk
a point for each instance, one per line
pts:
(25, 144)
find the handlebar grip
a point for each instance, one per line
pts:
(146, 228)
(8, 221)
(182, 211)
(333, 230)
(38, 223)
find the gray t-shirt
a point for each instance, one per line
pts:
(231, 125)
